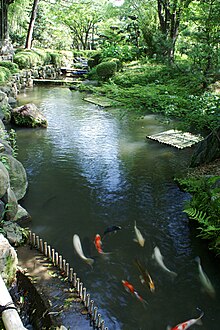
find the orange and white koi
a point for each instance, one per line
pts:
(129, 288)
(185, 325)
(98, 243)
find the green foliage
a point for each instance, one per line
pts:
(26, 59)
(174, 92)
(106, 70)
(6, 112)
(5, 74)
(12, 139)
(204, 207)
(9, 65)
(124, 53)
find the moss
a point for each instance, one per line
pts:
(10, 270)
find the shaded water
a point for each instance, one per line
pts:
(91, 169)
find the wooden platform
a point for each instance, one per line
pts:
(175, 138)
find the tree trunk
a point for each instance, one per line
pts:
(4, 25)
(31, 25)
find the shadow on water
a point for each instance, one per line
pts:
(90, 170)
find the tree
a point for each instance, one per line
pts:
(170, 15)
(81, 19)
(31, 25)
(204, 35)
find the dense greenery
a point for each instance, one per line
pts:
(204, 207)
(150, 87)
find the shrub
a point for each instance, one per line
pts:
(56, 59)
(94, 60)
(106, 70)
(4, 74)
(26, 59)
(13, 67)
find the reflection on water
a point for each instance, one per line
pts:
(89, 170)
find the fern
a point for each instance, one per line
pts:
(197, 215)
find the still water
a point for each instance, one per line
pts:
(91, 169)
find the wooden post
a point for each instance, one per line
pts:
(10, 317)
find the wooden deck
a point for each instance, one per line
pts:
(175, 138)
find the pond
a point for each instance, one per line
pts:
(93, 168)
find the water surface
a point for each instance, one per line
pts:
(93, 168)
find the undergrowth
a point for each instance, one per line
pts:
(204, 207)
(175, 92)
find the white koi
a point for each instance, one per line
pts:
(159, 258)
(78, 247)
(207, 285)
(139, 238)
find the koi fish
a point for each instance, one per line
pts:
(145, 276)
(129, 288)
(112, 229)
(185, 325)
(159, 258)
(78, 247)
(139, 238)
(98, 243)
(207, 285)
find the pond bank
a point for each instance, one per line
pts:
(60, 304)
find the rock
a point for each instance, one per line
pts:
(2, 210)
(22, 217)
(28, 116)
(2, 126)
(207, 150)
(12, 101)
(17, 175)
(11, 204)
(4, 180)
(5, 147)
(8, 261)
(13, 232)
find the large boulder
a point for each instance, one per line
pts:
(17, 175)
(28, 115)
(13, 232)
(207, 150)
(22, 217)
(8, 261)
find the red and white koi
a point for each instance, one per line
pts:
(185, 325)
(129, 288)
(98, 243)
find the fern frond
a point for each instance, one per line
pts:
(197, 215)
